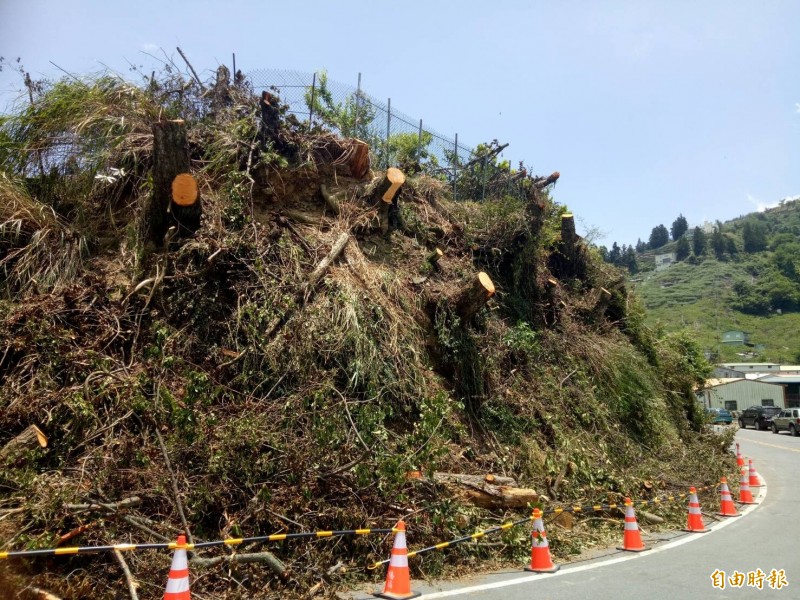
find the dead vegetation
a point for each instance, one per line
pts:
(298, 356)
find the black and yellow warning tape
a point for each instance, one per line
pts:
(275, 537)
(550, 511)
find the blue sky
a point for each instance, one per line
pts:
(648, 109)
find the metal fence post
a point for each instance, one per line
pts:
(483, 177)
(419, 142)
(311, 108)
(358, 106)
(388, 129)
(455, 171)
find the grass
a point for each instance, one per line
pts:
(697, 297)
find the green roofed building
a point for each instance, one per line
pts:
(735, 337)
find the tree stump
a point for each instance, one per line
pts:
(475, 297)
(386, 194)
(433, 257)
(175, 199)
(359, 159)
(568, 235)
(270, 117)
(603, 300)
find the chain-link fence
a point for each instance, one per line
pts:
(395, 138)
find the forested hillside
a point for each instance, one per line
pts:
(745, 275)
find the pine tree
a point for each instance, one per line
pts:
(699, 241)
(659, 236)
(679, 227)
(682, 250)
(754, 236)
(614, 255)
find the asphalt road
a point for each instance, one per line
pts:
(764, 538)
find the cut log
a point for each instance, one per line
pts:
(475, 297)
(359, 159)
(175, 199)
(434, 256)
(386, 194)
(541, 183)
(488, 491)
(30, 438)
(501, 496)
(474, 480)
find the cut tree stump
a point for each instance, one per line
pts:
(29, 439)
(359, 158)
(568, 235)
(433, 257)
(386, 194)
(175, 199)
(475, 297)
(603, 300)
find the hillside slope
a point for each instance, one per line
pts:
(752, 287)
(286, 401)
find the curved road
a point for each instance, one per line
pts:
(765, 537)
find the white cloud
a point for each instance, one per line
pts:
(797, 107)
(149, 47)
(760, 205)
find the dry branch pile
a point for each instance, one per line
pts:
(287, 364)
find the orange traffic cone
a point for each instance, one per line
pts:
(398, 578)
(745, 495)
(695, 522)
(726, 506)
(739, 458)
(632, 539)
(178, 582)
(754, 480)
(540, 549)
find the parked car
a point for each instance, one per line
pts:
(719, 415)
(789, 420)
(760, 417)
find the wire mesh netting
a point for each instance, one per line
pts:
(395, 138)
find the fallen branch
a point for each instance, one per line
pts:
(323, 265)
(130, 502)
(174, 480)
(301, 217)
(331, 201)
(132, 584)
(191, 68)
(272, 561)
(43, 594)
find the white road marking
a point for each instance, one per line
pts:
(632, 556)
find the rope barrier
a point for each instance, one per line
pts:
(275, 537)
(550, 511)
